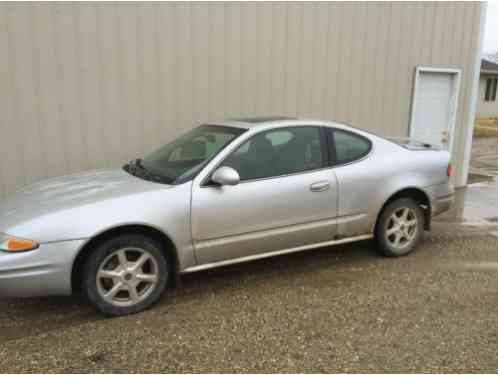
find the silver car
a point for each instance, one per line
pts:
(223, 193)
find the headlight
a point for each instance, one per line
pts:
(14, 244)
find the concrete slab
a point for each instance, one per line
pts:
(477, 204)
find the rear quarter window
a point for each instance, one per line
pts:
(347, 147)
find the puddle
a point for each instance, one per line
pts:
(479, 177)
(476, 205)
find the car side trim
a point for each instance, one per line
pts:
(256, 234)
(207, 266)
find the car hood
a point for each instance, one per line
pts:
(62, 193)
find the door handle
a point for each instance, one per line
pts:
(320, 186)
(444, 136)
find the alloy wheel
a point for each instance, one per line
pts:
(402, 227)
(127, 276)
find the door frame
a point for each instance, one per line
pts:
(456, 74)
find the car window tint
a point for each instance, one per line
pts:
(243, 149)
(278, 152)
(349, 146)
(279, 137)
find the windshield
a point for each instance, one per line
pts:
(180, 160)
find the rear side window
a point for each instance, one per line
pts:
(347, 147)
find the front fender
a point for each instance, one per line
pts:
(167, 210)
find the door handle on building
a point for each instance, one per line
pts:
(444, 138)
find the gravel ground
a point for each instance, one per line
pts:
(336, 309)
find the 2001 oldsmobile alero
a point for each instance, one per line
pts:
(223, 193)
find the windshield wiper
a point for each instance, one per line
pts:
(131, 166)
(136, 168)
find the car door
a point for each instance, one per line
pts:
(286, 198)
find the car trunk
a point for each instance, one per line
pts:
(412, 144)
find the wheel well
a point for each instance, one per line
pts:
(418, 196)
(168, 248)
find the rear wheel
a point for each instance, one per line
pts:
(400, 227)
(125, 275)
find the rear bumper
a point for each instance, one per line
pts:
(442, 197)
(45, 271)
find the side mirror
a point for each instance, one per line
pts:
(226, 176)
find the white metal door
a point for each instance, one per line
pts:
(434, 106)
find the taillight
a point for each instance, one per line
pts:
(449, 170)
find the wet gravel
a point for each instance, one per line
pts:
(484, 157)
(330, 310)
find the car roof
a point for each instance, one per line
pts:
(262, 119)
(277, 121)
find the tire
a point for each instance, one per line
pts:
(400, 227)
(125, 275)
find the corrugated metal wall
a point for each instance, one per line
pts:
(89, 85)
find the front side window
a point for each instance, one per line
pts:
(278, 152)
(181, 159)
(348, 147)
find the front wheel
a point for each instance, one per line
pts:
(399, 228)
(125, 275)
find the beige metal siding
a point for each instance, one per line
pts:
(87, 85)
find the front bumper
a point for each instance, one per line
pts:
(45, 271)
